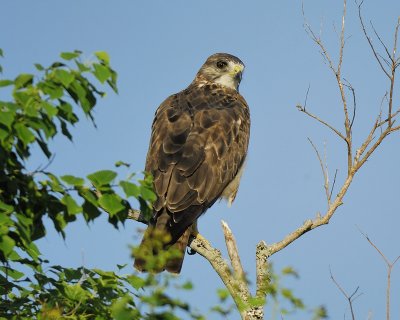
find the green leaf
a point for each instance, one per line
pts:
(187, 286)
(136, 282)
(71, 204)
(102, 177)
(121, 266)
(70, 55)
(39, 67)
(23, 80)
(121, 309)
(24, 133)
(7, 118)
(15, 274)
(1, 53)
(7, 245)
(130, 189)
(88, 195)
(33, 251)
(103, 56)
(76, 293)
(51, 110)
(64, 129)
(122, 163)
(5, 83)
(72, 180)
(90, 211)
(290, 271)
(148, 194)
(5, 208)
(64, 77)
(101, 72)
(111, 203)
(223, 294)
(57, 65)
(320, 313)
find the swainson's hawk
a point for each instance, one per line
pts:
(197, 152)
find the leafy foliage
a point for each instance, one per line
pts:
(41, 107)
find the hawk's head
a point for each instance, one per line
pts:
(222, 68)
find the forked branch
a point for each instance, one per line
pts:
(389, 266)
(350, 298)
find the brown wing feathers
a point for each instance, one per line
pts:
(199, 141)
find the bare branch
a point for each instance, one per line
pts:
(324, 172)
(337, 72)
(305, 99)
(376, 248)
(368, 140)
(333, 184)
(339, 67)
(41, 169)
(369, 39)
(392, 78)
(233, 251)
(353, 92)
(380, 40)
(311, 224)
(302, 109)
(390, 266)
(350, 298)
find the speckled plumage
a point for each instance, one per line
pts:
(198, 145)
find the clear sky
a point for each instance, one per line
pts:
(156, 48)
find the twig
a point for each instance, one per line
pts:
(369, 39)
(308, 225)
(390, 266)
(324, 172)
(42, 169)
(333, 183)
(337, 73)
(380, 40)
(350, 298)
(353, 92)
(305, 99)
(392, 78)
(302, 109)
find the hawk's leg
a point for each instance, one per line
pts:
(195, 234)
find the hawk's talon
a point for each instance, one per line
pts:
(191, 252)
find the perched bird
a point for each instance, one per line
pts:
(196, 155)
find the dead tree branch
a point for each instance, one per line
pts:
(337, 70)
(324, 169)
(389, 266)
(350, 298)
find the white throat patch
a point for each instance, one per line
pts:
(227, 81)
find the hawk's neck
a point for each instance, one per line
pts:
(222, 82)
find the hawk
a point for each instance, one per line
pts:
(196, 155)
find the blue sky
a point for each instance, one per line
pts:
(156, 48)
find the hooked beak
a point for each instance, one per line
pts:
(237, 73)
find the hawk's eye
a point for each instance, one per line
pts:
(221, 64)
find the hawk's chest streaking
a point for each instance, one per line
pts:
(197, 150)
